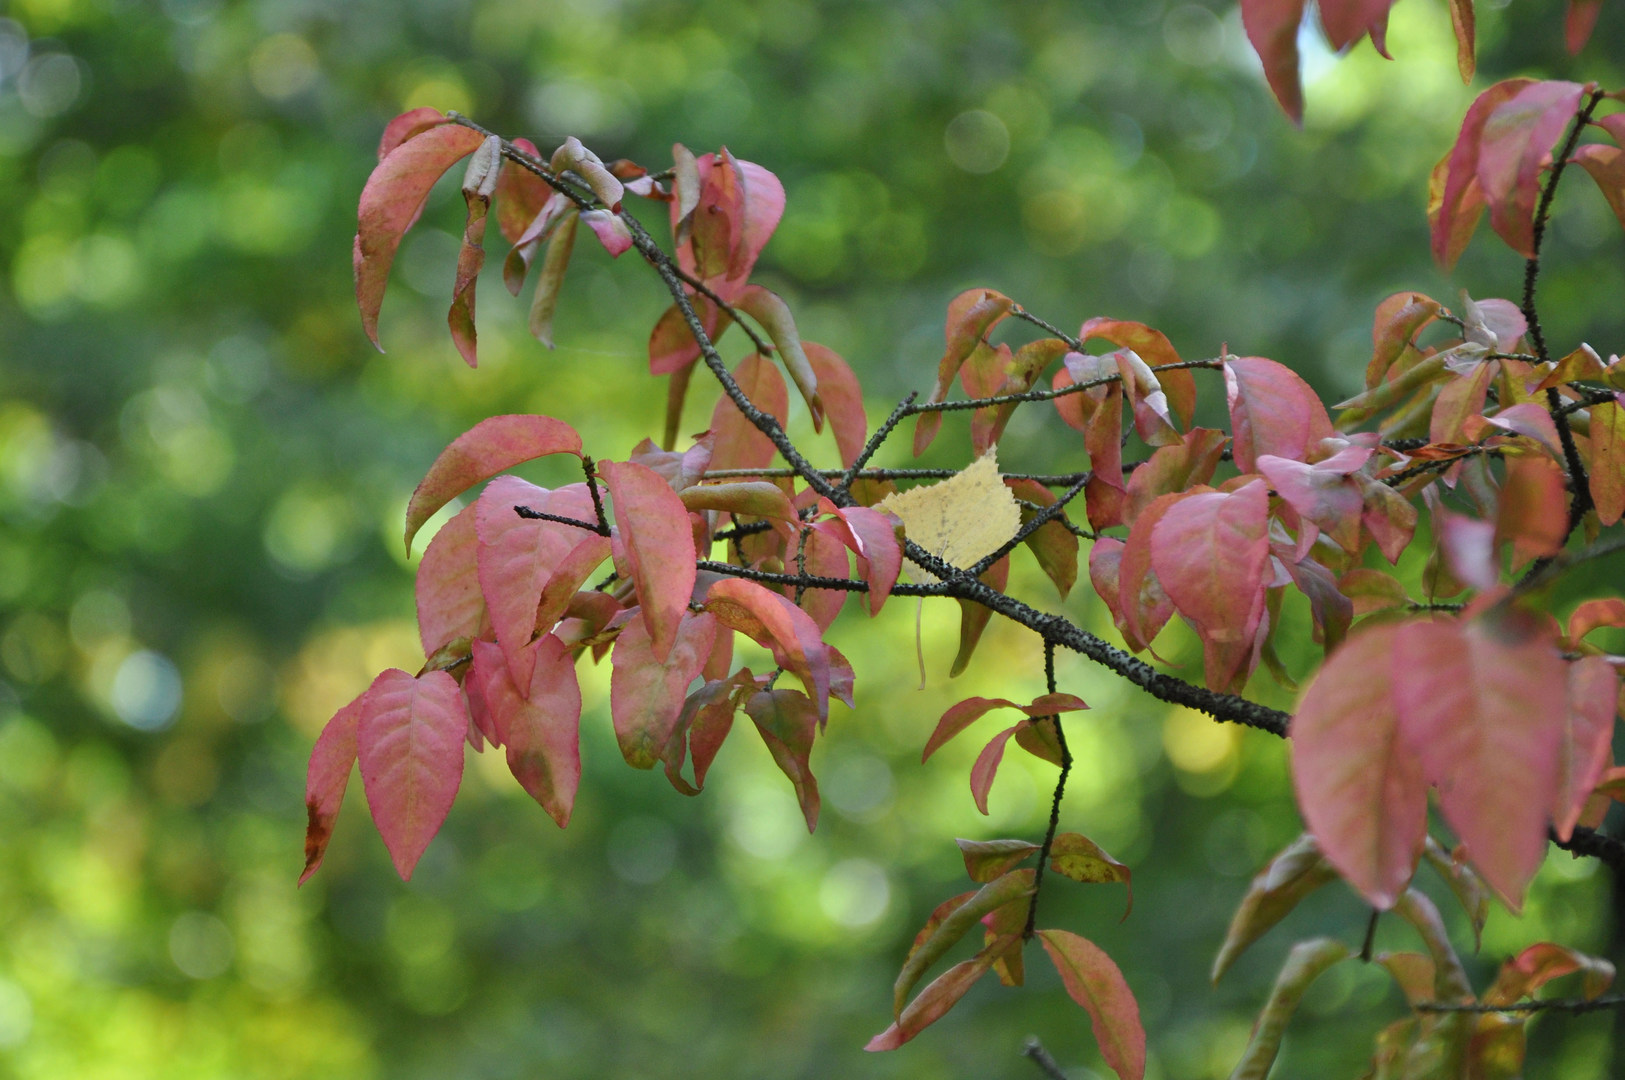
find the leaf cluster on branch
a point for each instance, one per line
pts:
(1512, 452)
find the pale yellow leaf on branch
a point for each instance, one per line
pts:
(960, 519)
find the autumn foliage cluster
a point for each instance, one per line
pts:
(1423, 520)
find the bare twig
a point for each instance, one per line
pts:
(1568, 1005)
(1035, 1050)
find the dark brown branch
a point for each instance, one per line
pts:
(1035, 1050)
(1591, 843)
(1036, 522)
(597, 498)
(537, 515)
(882, 433)
(1055, 801)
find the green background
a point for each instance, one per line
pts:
(203, 468)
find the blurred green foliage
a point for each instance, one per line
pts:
(203, 468)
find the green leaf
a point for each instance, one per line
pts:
(955, 924)
(1076, 856)
(1296, 872)
(1303, 965)
(988, 859)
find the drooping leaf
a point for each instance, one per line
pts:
(986, 860)
(489, 447)
(703, 725)
(769, 309)
(1053, 544)
(586, 164)
(1398, 320)
(1607, 473)
(479, 184)
(971, 316)
(823, 556)
(1464, 22)
(1579, 22)
(391, 201)
(569, 575)
(1516, 143)
(1275, 891)
(973, 617)
(646, 694)
(1464, 882)
(1272, 27)
(1209, 552)
(541, 727)
(657, 545)
(610, 229)
(551, 278)
(1156, 350)
(518, 556)
(1475, 701)
(787, 721)
(986, 767)
(1007, 888)
(1272, 411)
(965, 713)
(1305, 963)
(1142, 601)
(1361, 789)
(936, 999)
(448, 595)
(1173, 469)
(1591, 614)
(872, 536)
(1606, 165)
(842, 396)
(775, 623)
(1329, 497)
(1076, 856)
(1093, 981)
(739, 444)
(1455, 196)
(409, 743)
(407, 125)
(1585, 748)
(325, 780)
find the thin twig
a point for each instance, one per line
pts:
(1055, 802)
(1035, 1050)
(1568, 1005)
(597, 499)
(537, 515)
(1019, 312)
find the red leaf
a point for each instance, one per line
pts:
(479, 184)
(1608, 611)
(745, 196)
(1516, 144)
(935, 1000)
(1533, 510)
(1607, 474)
(1455, 197)
(986, 767)
(569, 574)
(646, 694)
(521, 195)
(1606, 164)
(1398, 320)
(326, 779)
(657, 545)
(973, 617)
(1053, 545)
(778, 625)
(1272, 411)
(1579, 22)
(1142, 602)
(489, 447)
(1209, 552)
(787, 721)
(1094, 982)
(610, 230)
(448, 585)
(1538, 965)
(1154, 347)
(540, 728)
(1475, 699)
(518, 556)
(1175, 468)
(872, 537)
(739, 444)
(409, 741)
(965, 713)
(825, 557)
(843, 400)
(1464, 22)
(971, 316)
(1359, 784)
(672, 347)
(1329, 498)
(391, 201)
(1347, 21)
(1586, 749)
(1272, 27)
(409, 124)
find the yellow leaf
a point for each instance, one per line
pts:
(960, 519)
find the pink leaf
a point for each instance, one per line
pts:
(1586, 748)
(586, 164)
(1608, 611)
(1272, 27)
(409, 124)
(935, 1000)
(1516, 144)
(1155, 348)
(1455, 196)
(540, 728)
(658, 547)
(521, 195)
(1094, 982)
(1360, 787)
(825, 557)
(1579, 22)
(569, 575)
(778, 625)
(448, 585)
(610, 230)
(1209, 552)
(1474, 698)
(986, 767)
(739, 443)
(1533, 510)
(1532, 421)
(1175, 468)
(479, 184)
(787, 722)
(518, 556)
(491, 446)
(1142, 601)
(391, 201)
(646, 694)
(1329, 498)
(843, 400)
(1606, 165)
(325, 780)
(872, 537)
(965, 713)
(409, 741)
(672, 347)
(1272, 411)
(971, 316)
